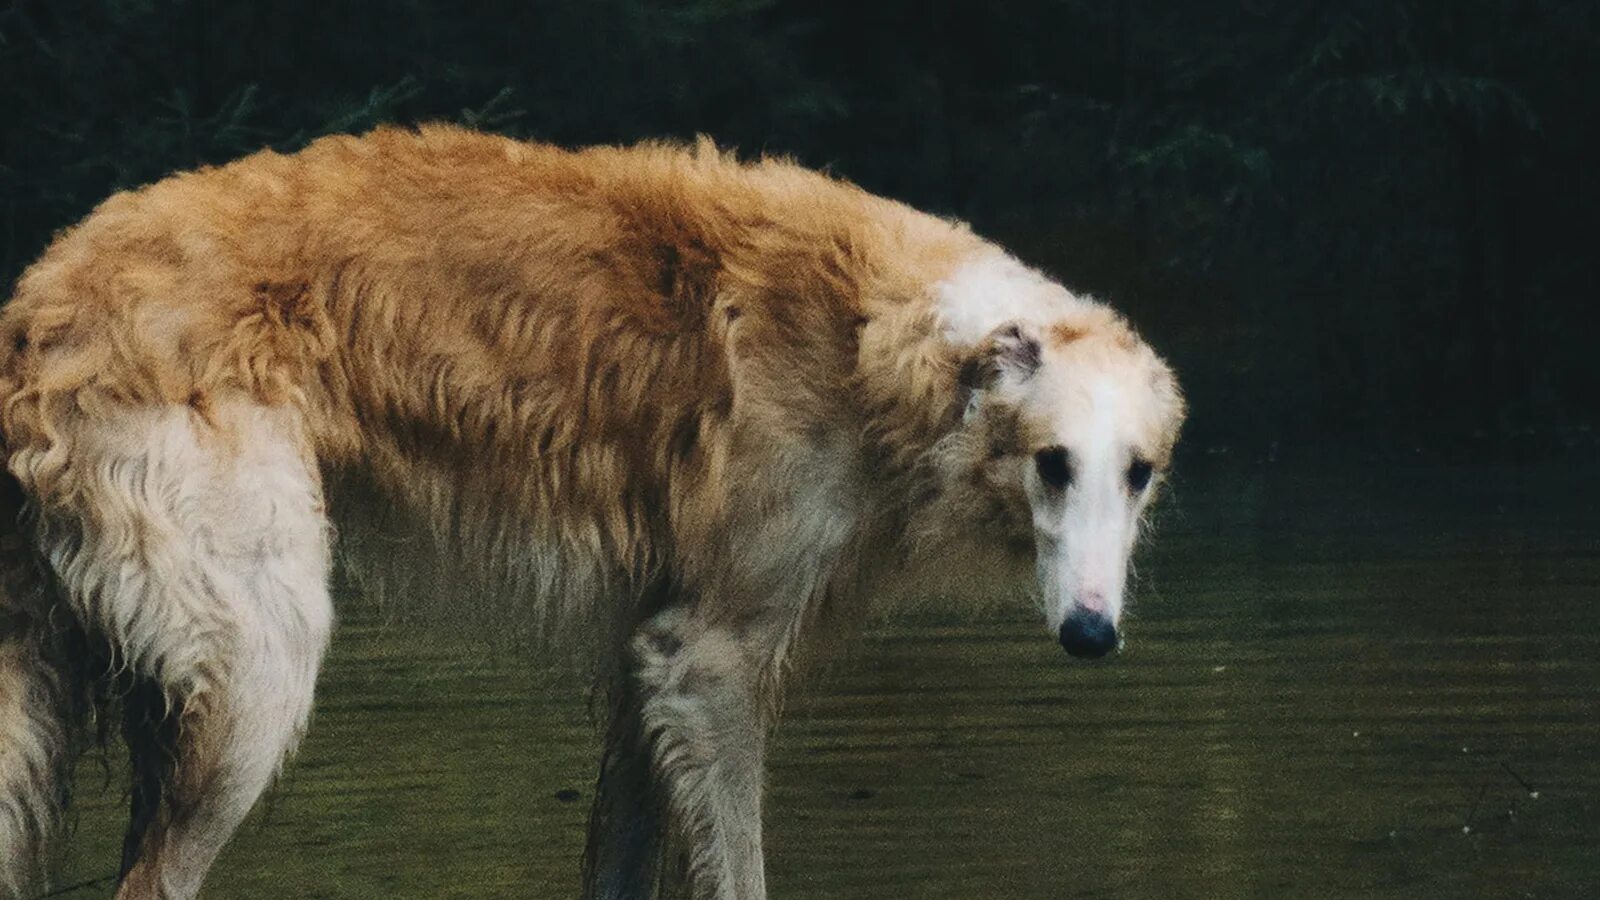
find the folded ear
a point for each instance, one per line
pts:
(1010, 352)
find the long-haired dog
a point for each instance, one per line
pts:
(681, 412)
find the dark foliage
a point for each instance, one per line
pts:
(1356, 224)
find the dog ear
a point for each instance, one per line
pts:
(1010, 353)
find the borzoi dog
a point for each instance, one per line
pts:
(686, 413)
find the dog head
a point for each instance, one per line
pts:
(1067, 429)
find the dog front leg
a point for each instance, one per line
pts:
(699, 687)
(625, 822)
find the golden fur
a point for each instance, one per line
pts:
(646, 387)
(446, 300)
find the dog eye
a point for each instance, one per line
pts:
(1055, 470)
(1139, 472)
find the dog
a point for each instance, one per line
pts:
(685, 414)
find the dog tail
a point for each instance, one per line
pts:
(42, 703)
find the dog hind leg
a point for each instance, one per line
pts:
(151, 735)
(199, 549)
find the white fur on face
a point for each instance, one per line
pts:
(1086, 532)
(1100, 407)
(992, 290)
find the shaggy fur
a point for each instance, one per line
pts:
(677, 409)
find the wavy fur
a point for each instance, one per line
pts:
(669, 409)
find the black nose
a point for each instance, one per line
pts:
(1088, 635)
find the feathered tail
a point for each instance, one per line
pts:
(41, 705)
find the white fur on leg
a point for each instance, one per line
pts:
(200, 550)
(701, 708)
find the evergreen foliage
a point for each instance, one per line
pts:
(1368, 222)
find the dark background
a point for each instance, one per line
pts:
(1358, 228)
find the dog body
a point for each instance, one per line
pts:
(671, 410)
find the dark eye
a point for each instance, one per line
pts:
(1139, 472)
(1055, 470)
